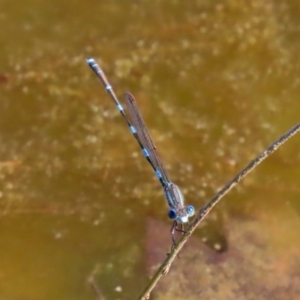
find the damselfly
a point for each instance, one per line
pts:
(178, 211)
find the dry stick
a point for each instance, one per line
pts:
(204, 210)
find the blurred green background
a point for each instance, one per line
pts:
(216, 82)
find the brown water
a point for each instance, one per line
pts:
(216, 84)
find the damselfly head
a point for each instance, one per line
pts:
(181, 215)
(178, 212)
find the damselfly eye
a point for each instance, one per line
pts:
(190, 210)
(172, 214)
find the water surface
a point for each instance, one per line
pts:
(216, 83)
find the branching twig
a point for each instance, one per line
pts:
(210, 204)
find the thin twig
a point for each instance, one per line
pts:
(93, 284)
(204, 210)
(95, 288)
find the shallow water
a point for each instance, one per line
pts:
(216, 84)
